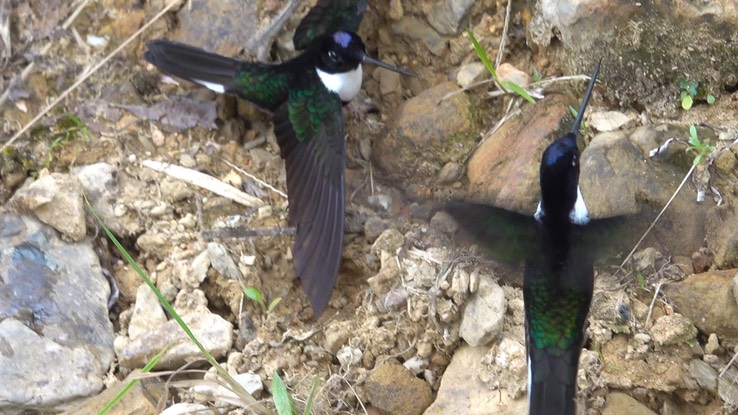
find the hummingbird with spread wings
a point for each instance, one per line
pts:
(305, 96)
(558, 246)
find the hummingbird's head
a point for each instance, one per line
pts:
(344, 51)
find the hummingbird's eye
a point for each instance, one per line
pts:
(332, 54)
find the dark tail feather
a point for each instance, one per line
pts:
(585, 101)
(552, 386)
(195, 65)
(552, 398)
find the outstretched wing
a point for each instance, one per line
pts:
(327, 17)
(310, 132)
(507, 236)
(264, 85)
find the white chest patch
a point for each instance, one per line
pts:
(346, 85)
(579, 215)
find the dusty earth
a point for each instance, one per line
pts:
(124, 114)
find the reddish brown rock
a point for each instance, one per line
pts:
(395, 391)
(504, 170)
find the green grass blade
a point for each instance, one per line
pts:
(237, 388)
(311, 398)
(482, 55)
(282, 400)
(146, 369)
(520, 91)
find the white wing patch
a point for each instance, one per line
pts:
(211, 86)
(346, 84)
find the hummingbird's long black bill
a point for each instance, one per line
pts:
(385, 65)
(585, 101)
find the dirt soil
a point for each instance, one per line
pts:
(109, 118)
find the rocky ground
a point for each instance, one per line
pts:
(421, 321)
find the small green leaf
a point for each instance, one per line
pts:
(273, 304)
(683, 85)
(710, 99)
(536, 75)
(520, 91)
(687, 102)
(254, 294)
(573, 111)
(282, 399)
(641, 280)
(697, 159)
(693, 132)
(482, 55)
(311, 398)
(693, 88)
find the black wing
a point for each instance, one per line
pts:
(327, 17)
(264, 85)
(508, 236)
(310, 132)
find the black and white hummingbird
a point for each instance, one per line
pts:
(558, 247)
(305, 97)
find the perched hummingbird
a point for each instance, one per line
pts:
(305, 97)
(558, 246)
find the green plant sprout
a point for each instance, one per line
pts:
(689, 91)
(70, 127)
(256, 296)
(283, 401)
(506, 86)
(694, 145)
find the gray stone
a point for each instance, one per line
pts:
(444, 222)
(619, 403)
(610, 120)
(222, 262)
(396, 391)
(56, 200)
(147, 313)
(728, 387)
(471, 73)
(462, 391)
(672, 329)
(704, 374)
(447, 16)
(213, 332)
(390, 240)
(56, 336)
(450, 172)
(418, 31)
(484, 314)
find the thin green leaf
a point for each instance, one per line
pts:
(520, 91)
(146, 369)
(255, 295)
(536, 75)
(483, 55)
(641, 280)
(282, 399)
(311, 398)
(710, 99)
(687, 102)
(573, 111)
(693, 132)
(697, 159)
(273, 304)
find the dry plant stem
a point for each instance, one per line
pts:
(83, 78)
(676, 192)
(725, 369)
(504, 34)
(653, 301)
(254, 178)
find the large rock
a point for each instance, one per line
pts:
(619, 403)
(462, 391)
(503, 171)
(429, 132)
(623, 33)
(484, 314)
(56, 336)
(396, 391)
(707, 300)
